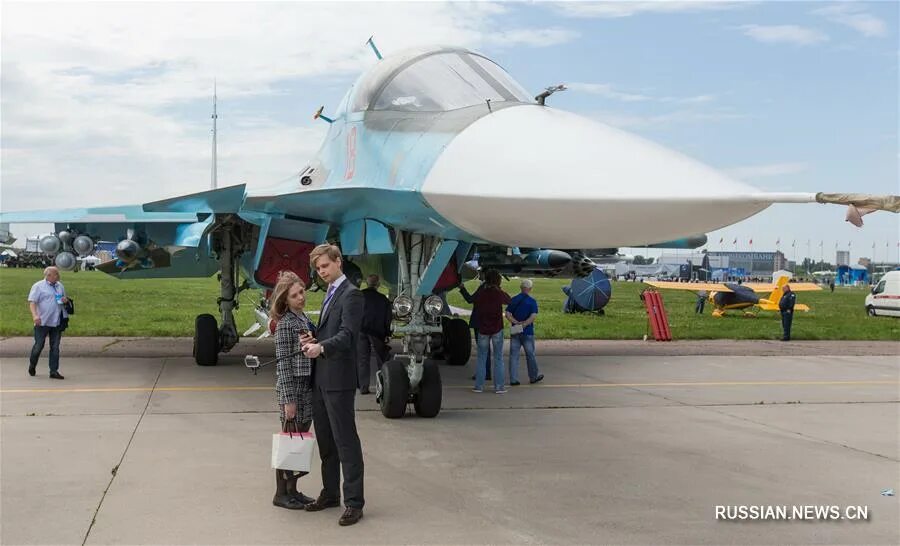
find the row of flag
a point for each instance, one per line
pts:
(821, 243)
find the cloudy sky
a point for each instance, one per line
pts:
(109, 103)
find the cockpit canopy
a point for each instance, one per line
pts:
(436, 81)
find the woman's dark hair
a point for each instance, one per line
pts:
(492, 277)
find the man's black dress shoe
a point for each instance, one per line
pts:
(55, 375)
(350, 516)
(540, 377)
(322, 503)
(514, 383)
(364, 390)
(31, 371)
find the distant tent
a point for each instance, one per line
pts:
(781, 273)
(851, 275)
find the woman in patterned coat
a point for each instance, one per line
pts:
(293, 386)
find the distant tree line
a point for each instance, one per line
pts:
(640, 260)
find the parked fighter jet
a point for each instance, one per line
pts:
(730, 295)
(431, 152)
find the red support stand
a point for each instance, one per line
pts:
(656, 314)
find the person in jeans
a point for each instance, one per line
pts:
(489, 304)
(473, 321)
(46, 302)
(701, 301)
(521, 313)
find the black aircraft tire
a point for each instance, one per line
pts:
(395, 389)
(457, 342)
(428, 401)
(206, 340)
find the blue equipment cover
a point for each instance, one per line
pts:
(588, 294)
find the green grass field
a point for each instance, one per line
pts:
(106, 306)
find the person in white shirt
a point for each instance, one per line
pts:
(46, 301)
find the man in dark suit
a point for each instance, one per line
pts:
(334, 387)
(375, 331)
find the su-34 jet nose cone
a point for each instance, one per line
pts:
(535, 176)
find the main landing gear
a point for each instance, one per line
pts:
(229, 238)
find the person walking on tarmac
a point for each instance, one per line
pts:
(786, 305)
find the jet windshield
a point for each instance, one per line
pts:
(449, 81)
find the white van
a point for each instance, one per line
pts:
(885, 297)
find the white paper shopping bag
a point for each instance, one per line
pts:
(293, 450)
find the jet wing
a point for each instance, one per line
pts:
(692, 286)
(94, 215)
(165, 229)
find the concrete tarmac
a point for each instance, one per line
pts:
(609, 448)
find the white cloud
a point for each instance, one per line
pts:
(667, 119)
(698, 99)
(791, 34)
(95, 94)
(606, 90)
(609, 91)
(764, 171)
(532, 37)
(612, 10)
(855, 17)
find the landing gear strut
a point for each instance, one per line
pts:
(229, 238)
(412, 377)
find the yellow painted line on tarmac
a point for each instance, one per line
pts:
(139, 389)
(713, 384)
(539, 386)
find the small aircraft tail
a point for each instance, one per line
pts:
(776, 294)
(770, 303)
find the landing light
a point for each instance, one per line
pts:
(433, 306)
(403, 306)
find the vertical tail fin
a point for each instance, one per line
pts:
(776, 294)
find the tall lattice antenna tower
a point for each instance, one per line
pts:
(214, 179)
